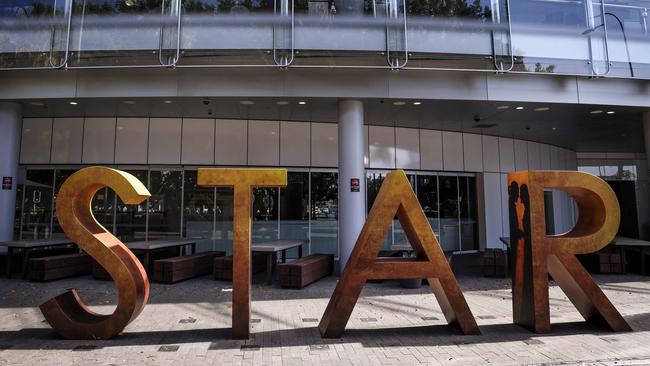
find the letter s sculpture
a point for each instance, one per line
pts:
(66, 313)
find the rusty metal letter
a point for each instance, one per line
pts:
(538, 255)
(396, 197)
(242, 181)
(66, 313)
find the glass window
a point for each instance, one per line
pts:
(265, 215)
(428, 197)
(449, 230)
(398, 232)
(20, 184)
(468, 213)
(166, 188)
(198, 212)
(37, 207)
(294, 210)
(224, 214)
(324, 213)
(131, 220)
(61, 175)
(373, 185)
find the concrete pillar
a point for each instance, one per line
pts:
(352, 200)
(10, 132)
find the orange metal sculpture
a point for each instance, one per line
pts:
(538, 255)
(242, 181)
(396, 197)
(66, 313)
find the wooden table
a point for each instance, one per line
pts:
(623, 244)
(271, 249)
(29, 246)
(146, 247)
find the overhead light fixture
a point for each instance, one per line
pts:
(168, 102)
(73, 103)
(302, 102)
(610, 112)
(554, 128)
(129, 2)
(282, 102)
(129, 102)
(417, 103)
(37, 104)
(519, 108)
(542, 109)
(399, 103)
(502, 107)
(246, 102)
(596, 112)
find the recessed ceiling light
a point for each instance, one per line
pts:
(519, 108)
(246, 102)
(610, 112)
(302, 103)
(542, 109)
(168, 102)
(399, 103)
(73, 103)
(502, 107)
(37, 104)
(282, 102)
(554, 128)
(596, 112)
(129, 102)
(417, 103)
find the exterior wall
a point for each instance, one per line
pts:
(177, 141)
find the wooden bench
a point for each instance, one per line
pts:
(175, 269)
(99, 273)
(495, 263)
(304, 271)
(223, 266)
(59, 266)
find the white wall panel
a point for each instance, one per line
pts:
(165, 140)
(99, 141)
(452, 151)
(231, 142)
(490, 153)
(67, 136)
(407, 149)
(521, 155)
(324, 145)
(472, 152)
(534, 161)
(295, 143)
(382, 147)
(554, 155)
(506, 155)
(493, 217)
(431, 150)
(198, 141)
(132, 140)
(366, 153)
(36, 141)
(263, 143)
(505, 214)
(545, 156)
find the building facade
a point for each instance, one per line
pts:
(457, 94)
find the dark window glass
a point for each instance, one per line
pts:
(265, 215)
(37, 207)
(198, 214)
(398, 232)
(324, 213)
(166, 187)
(373, 184)
(468, 213)
(61, 175)
(131, 220)
(20, 186)
(294, 210)
(449, 229)
(224, 213)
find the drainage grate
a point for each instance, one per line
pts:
(187, 321)
(532, 342)
(309, 320)
(486, 317)
(168, 348)
(429, 318)
(85, 347)
(249, 347)
(256, 320)
(368, 320)
(318, 347)
(610, 339)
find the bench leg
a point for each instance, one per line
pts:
(270, 258)
(10, 252)
(300, 251)
(25, 259)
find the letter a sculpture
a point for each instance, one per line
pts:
(536, 255)
(66, 313)
(396, 197)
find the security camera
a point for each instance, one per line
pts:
(206, 101)
(477, 118)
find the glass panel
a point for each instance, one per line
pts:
(450, 33)
(103, 207)
(121, 32)
(398, 232)
(503, 58)
(396, 33)
(373, 184)
(428, 197)
(61, 175)
(628, 37)
(449, 230)
(597, 38)
(468, 213)
(324, 213)
(37, 207)
(198, 216)
(294, 210)
(131, 220)
(231, 32)
(265, 215)
(20, 186)
(29, 30)
(224, 213)
(164, 220)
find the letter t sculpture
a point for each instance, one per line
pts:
(242, 181)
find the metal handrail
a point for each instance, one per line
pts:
(510, 46)
(293, 38)
(396, 65)
(591, 56)
(178, 36)
(67, 40)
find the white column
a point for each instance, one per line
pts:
(10, 130)
(646, 135)
(352, 202)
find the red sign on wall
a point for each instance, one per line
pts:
(355, 185)
(7, 183)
